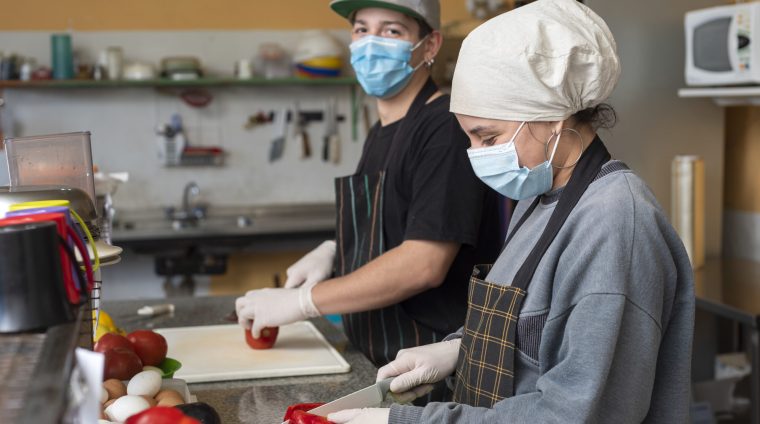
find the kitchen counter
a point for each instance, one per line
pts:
(259, 400)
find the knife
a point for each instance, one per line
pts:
(278, 138)
(366, 397)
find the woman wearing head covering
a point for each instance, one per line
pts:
(587, 315)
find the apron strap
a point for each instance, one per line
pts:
(588, 168)
(522, 220)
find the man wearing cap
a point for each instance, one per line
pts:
(411, 221)
(587, 316)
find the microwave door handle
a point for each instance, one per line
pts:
(733, 44)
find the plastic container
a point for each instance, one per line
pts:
(55, 159)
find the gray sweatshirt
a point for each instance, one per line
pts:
(606, 329)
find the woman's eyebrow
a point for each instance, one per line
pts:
(478, 130)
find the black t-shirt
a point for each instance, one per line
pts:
(432, 193)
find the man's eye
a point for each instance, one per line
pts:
(360, 30)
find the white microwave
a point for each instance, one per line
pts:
(720, 49)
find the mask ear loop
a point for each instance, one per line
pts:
(427, 62)
(546, 148)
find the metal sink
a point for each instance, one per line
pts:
(223, 221)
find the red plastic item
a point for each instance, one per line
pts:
(161, 415)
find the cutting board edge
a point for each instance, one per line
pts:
(276, 374)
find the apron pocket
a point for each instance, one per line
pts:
(529, 331)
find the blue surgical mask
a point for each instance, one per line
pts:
(499, 168)
(382, 64)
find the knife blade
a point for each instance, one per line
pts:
(367, 397)
(280, 125)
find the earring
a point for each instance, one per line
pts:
(580, 140)
(429, 63)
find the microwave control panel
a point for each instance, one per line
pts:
(743, 35)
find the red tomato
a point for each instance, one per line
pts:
(265, 341)
(150, 346)
(161, 415)
(109, 341)
(121, 364)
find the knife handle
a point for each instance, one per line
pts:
(305, 145)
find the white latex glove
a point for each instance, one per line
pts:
(417, 368)
(313, 268)
(274, 307)
(361, 416)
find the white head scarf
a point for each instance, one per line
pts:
(540, 62)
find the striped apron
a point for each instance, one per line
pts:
(485, 368)
(379, 333)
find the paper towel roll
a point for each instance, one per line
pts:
(688, 205)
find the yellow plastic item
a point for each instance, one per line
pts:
(66, 203)
(105, 325)
(324, 62)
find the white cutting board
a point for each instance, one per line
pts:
(219, 352)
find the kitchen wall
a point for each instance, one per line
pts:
(91, 15)
(742, 203)
(123, 121)
(654, 123)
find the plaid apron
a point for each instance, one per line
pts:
(379, 333)
(485, 368)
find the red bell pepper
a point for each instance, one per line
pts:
(161, 415)
(297, 414)
(303, 417)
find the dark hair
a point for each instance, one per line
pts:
(599, 116)
(425, 29)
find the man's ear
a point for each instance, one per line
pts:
(433, 45)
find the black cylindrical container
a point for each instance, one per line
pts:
(32, 296)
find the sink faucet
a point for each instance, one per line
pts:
(195, 211)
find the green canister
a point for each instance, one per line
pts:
(61, 56)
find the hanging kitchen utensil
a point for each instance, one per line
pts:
(301, 136)
(334, 137)
(328, 131)
(278, 137)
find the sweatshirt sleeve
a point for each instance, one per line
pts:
(603, 334)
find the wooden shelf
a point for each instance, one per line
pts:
(725, 96)
(163, 82)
